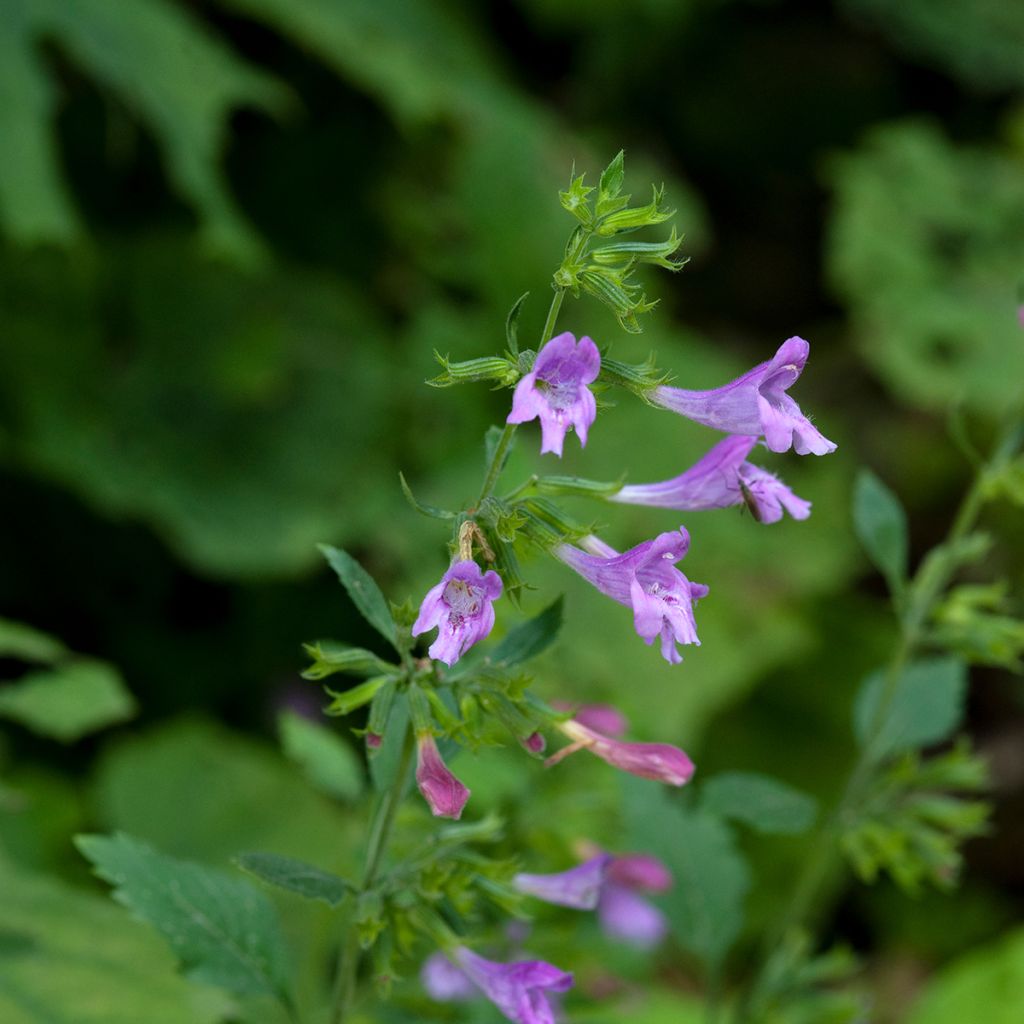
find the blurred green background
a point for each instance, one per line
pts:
(232, 232)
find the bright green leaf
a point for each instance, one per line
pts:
(881, 525)
(363, 590)
(926, 707)
(296, 876)
(763, 803)
(223, 930)
(328, 761)
(68, 702)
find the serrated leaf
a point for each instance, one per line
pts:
(363, 590)
(330, 657)
(881, 526)
(530, 638)
(295, 876)
(68, 702)
(328, 762)
(763, 803)
(926, 707)
(710, 876)
(223, 930)
(27, 644)
(612, 177)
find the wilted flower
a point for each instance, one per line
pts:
(461, 607)
(517, 989)
(722, 478)
(445, 795)
(645, 578)
(556, 391)
(755, 404)
(579, 887)
(659, 761)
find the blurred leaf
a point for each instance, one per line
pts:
(986, 984)
(327, 760)
(363, 590)
(220, 785)
(968, 623)
(881, 526)
(926, 707)
(529, 638)
(84, 960)
(763, 803)
(135, 51)
(223, 930)
(385, 761)
(295, 876)
(710, 876)
(925, 250)
(20, 641)
(69, 702)
(980, 41)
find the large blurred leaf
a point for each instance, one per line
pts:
(881, 525)
(763, 803)
(222, 929)
(985, 985)
(327, 760)
(925, 248)
(20, 641)
(980, 41)
(72, 956)
(136, 50)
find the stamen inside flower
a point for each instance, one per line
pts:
(463, 599)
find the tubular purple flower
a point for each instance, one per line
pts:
(645, 578)
(630, 918)
(517, 989)
(445, 795)
(755, 404)
(579, 887)
(445, 982)
(602, 717)
(720, 479)
(556, 391)
(461, 606)
(659, 761)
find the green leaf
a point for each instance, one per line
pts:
(530, 638)
(330, 657)
(72, 956)
(223, 930)
(424, 510)
(68, 702)
(986, 984)
(296, 876)
(492, 438)
(881, 525)
(27, 644)
(611, 181)
(363, 590)
(328, 762)
(705, 905)
(926, 707)
(512, 324)
(763, 803)
(386, 760)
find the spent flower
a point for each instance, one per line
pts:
(444, 793)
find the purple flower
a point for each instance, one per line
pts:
(645, 578)
(630, 918)
(461, 607)
(579, 887)
(755, 404)
(659, 761)
(445, 795)
(516, 989)
(641, 871)
(602, 717)
(722, 478)
(444, 981)
(556, 391)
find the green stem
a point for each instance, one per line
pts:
(381, 824)
(923, 594)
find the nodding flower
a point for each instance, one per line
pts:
(461, 606)
(444, 793)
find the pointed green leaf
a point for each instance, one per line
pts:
(327, 760)
(223, 930)
(363, 590)
(530, 638)
(881, 525)
(296, 876)
(612, 177)
(512, 324)
(424, 510)
(330, 657)
(763, 803)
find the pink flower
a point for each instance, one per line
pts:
(445, 795)
(461, 606)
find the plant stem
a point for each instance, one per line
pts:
(923, 593)
(380, 832)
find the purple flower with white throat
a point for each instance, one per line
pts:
(461, 606)
(579, 887)
(519, 990)
(755, 404)
(556, 391)
(720, 479)
(645, 579)
(444, 793)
